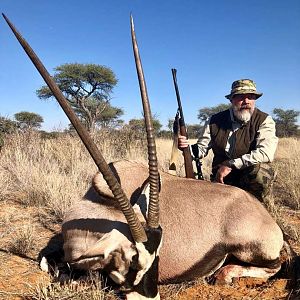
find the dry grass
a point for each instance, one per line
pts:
(18, 233)
(23, 241)
(50, 174)
(88, 288)
(53, 173)
(164, 147)
(287, 164)
(286, 197)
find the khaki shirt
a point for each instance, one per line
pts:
(265, 149)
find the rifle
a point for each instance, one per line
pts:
(188, 161)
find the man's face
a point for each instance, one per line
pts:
(243, 106)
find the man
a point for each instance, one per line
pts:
(242, 139)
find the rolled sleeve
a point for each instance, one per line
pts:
(266, 145)
(204, 141)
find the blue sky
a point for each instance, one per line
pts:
(210, 43)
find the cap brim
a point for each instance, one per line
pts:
(246, 92)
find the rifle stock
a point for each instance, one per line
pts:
(188, 163)
(188, 160)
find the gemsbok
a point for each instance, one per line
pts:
(203, 223)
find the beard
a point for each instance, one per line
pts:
(243, 113)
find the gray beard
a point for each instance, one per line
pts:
(243, 115)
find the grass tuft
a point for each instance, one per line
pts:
(87, 288)
(22, 241)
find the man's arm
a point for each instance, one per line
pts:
(265, 149)
(203, 142)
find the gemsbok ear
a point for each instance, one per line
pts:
(107, 244)
(112, 248)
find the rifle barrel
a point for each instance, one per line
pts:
(182, 122)
(188, 161)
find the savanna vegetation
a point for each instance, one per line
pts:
(88, 89)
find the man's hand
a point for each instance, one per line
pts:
(222, 172)
(183, 142)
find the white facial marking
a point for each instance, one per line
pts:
(136, 296)
(145, 261)
(44, 264)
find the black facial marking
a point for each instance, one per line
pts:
(154, 236)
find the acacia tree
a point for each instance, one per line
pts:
(286, 122)
(138, 125)
(7, 125)
(28, 120)
(87, 88)
(192, 129)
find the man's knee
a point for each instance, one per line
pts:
(258, 180)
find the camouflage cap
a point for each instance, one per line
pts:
(243, 86)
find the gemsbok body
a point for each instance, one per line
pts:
(203, 223)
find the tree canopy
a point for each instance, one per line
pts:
(193, 130)
(88, 89)
(138, 125)
(286, 122)
(28, 120)
(7, 126)
(206, 112)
